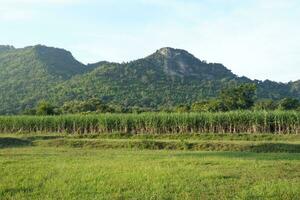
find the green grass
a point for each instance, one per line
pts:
(189, 136)
(126, 166)
(195, 142)
(72, 173)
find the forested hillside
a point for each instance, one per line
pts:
(166, 78)
(28, 75)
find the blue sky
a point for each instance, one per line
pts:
(259, 39)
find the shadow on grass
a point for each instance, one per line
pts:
(43, 137)
(219, 146)
(241, 155)
(276, 147)
(175, 145)
(6, 142)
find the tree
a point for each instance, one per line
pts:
(90, 105)
(238, 98)
(208, 106)
(29, 111)
(182, 108)
(44, 108)
(216, 106)
(201, 106)
(266, 104)
(289, 104)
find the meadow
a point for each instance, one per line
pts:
(235, 155)
(131, 166)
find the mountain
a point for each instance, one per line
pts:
(28, 74)
(180, 63)
(295, 88)
(165, 78)
(5, 48)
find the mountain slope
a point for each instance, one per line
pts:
(28, 75)
(177, 62)
(167, 77)
(5, 48)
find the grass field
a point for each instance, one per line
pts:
(56, 166)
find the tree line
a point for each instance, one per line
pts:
(242, 97)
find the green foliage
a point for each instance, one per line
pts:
(238, 98)
(29, 75)
(266, 104)
(202, 106)
(223, 122)
(234, 98)
(29, 111)
(44, 108)
(215, 105)
(165, 79)
(289, 104)
(182, 108)
(90, 105)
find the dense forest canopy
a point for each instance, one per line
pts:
(167, 78)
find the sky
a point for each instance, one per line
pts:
(259, 39)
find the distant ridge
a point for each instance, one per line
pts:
(165, 78)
